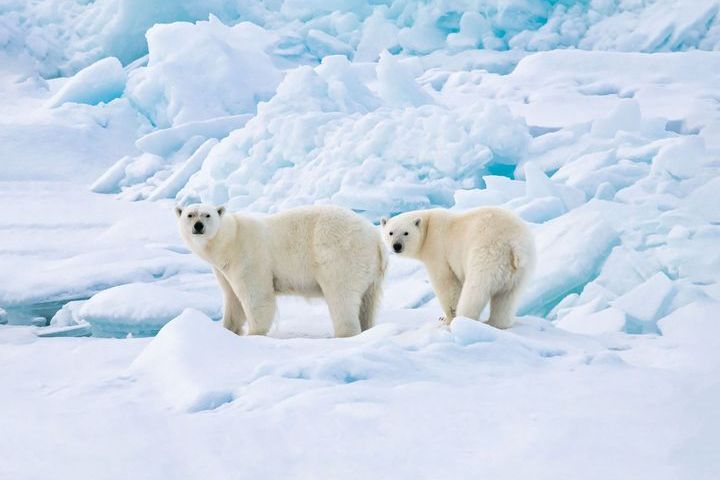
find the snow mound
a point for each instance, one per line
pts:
(195, 364)
(139, 309)
(182, 356)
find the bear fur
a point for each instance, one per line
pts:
(316, 251)
(472, 258)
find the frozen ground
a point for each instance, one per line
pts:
(598, 122)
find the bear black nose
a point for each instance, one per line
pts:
(198, 227)
(397, 247)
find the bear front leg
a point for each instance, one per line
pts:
(259, 305)
(447, 288)
(233, 313)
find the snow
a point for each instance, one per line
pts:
(597, 122)
(102, 81)
(139, 309)
(169, 90)
(646, 302)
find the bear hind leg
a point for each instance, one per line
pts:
(369, 305)
(344, 307)
(474, 296)
(502, 309)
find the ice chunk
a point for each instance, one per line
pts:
(82, 329)
(704, 201)
(102, 81)
(423, 36)
(322, 44)
(626, 116)
(540, 210)
(646, 303)
(164, 142)
(109, 182)
(572, 249)
(237, 72)
(397, 86)
(538, 185)
(344, 86)
(693, 323)
(378, 34)
(140, 309)
(473, 26)
(175, 182)
(680, 159)
(3, 316)
(586, 321)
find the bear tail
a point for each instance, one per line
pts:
(372, 296)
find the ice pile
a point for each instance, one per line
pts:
(66, 36)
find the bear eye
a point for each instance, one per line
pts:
(190, 215)
(390, 234)
(405, 233)
(207, 215)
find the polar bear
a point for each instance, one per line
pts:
(316, 251)
(472, 258)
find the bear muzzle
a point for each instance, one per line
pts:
(198, 228)
(397, 246)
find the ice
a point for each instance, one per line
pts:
(110, 180)
(645, 303)
(175, 182)
(378, 34)
(681, 159)
(575, 245)
(703, 201)
(79, 330)
(321, 44)
(589, 322)
(139, 309)
(397, 87)
(237, 72)
(102, 81)
(168, 140)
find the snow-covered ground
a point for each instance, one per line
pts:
(598, 122)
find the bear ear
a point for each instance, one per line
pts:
(221, 210)
(178, 210)
(417, 222)
(383, 221)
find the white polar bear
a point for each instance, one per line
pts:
(317, 251)
(481, 255)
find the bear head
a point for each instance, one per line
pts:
(404, 234)
(199, 221)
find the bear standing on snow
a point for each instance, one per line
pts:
(481, 255)
(318, 251)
